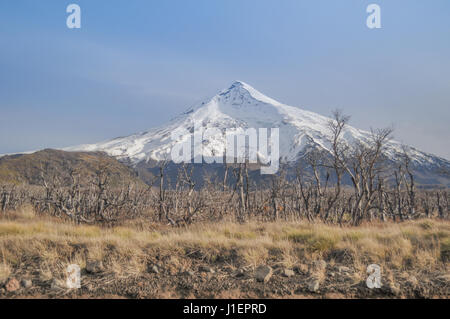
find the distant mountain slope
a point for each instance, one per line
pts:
(26, 168)
(241, 106)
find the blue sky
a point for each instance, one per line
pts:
(135, 64)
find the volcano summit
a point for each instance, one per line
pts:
(240, 107)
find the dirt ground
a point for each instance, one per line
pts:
(266, 260)
(222, 281)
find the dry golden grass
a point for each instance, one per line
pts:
(419, 245)
(5, 271)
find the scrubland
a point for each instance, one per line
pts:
(141, 259)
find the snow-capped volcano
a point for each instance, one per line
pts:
(240, 107)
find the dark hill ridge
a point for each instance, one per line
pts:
(27, 168)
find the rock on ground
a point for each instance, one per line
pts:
(240, 273)
(154, 269)
(319, 265)
(314, 285)
(12, 285)
(263, 273)
(188, 273)
(287, 273)
(206, 269)
(94, 266)
(301, 269)
(26, 283)
(45, 275)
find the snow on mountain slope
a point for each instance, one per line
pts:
(240, 107)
